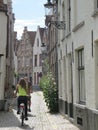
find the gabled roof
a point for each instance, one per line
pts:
(41, 30)
(32, 35)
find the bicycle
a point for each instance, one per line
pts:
(22, 113)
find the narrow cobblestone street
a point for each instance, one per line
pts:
(39, 118)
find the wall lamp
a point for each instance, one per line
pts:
(49, 7)
(49, 4)
(43, 47)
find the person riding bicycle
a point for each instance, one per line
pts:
(21, 90)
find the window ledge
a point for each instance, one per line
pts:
(80, 106)
(78, 26)
(60, 97)
(63, 39)
(95, 111)
(68, 34)
(95, 13)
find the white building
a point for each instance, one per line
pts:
(6, 50)
(78, 62)
(37, 56)
(3, 37)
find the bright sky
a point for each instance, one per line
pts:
(30, 13)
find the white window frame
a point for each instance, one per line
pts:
(0, 63)
(63, 16)
(81, 77)
(68, 16)
(96, 5)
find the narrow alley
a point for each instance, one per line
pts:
(39, 117)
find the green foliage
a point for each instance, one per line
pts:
(50, 91)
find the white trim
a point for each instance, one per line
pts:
(80, 106)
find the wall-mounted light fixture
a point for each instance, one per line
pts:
(49, 8)
(49, 4)
(43, 47)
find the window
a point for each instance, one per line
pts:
(63, 16)
(31, 62)
(19, 63)
(0, 63)
(22, 47)
(95, 8)
(60, 79)
(81, 76)
(96, 74)
(40, 60)
(35, 60)
(70, 84)
(37, 42)
(37, 78)
(96, 4)
(27, 46)
(23, 59)
(27, 61)
(34, 78)
(68, 16)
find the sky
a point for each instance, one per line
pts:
(30, 13)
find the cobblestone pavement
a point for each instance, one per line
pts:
(39, 118)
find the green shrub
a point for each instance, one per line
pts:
(50, 92)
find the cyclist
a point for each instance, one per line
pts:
(29, 85)
(22, 95)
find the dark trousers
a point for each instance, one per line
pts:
(22, 99)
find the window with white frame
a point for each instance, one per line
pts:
(96, 4)
(63, 16)
(68, 16)
(37, 42)
(40, 60)
(35, 60)
(60, 79)
(81, 76)
(0, 63)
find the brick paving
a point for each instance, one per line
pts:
(39, 118)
